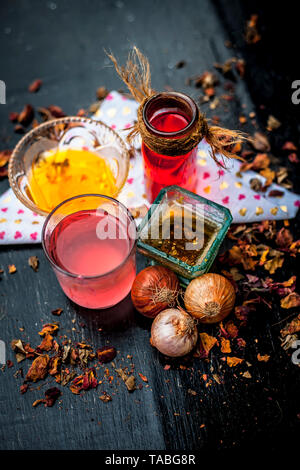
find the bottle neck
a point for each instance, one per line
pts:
(170, 115)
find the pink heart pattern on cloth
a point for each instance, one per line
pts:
(228, 187)
(18, 224)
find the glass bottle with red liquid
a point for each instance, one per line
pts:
(169, 116)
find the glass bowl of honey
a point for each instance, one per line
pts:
(183, 231)
(66, 157)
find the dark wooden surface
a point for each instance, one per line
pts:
(62, 43)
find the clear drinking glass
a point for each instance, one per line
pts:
(90, 242)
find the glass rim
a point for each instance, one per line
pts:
(45, 125)
(95, 276)
(172, 94)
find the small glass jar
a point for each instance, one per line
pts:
(183, 231)
(169, 115)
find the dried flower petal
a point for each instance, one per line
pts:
(292, 327)
(206, 343)
(84, 382)
(264, 358)
(33, 263)
(56, 111)
(57, 312)
(105, 397)
(143, 377)
(46, 344)
(106, 354)
(101, 93)
(4, 157)
(54, 365)
(24, 388)
(50, 328)
(51, 395)
(12, 269)
(128, 380)
(233, 361)
(26, 115)
(225, 346)
(35, 86)
(290, 301)
(38, 369)
(261, 142)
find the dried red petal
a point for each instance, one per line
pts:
(101, 93)
(26, 115)
(106, 354)
(35, 86)
(54, 365)
(289, 146)
(46, 344)
(56, 111)
(24, 388)
(57, 312)
(84, 382)
(51, 395)
(143, 377)
(38, 369)
(4, 157)
(19, 129)
(49, 328)
(33, 262)
(13, 117)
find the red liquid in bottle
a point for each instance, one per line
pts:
(75, 247)
(163, 170)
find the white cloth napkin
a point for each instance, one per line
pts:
(227, 187)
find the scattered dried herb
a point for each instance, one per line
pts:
(105, 397)
(34, 263)
(129, 380)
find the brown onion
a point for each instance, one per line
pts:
(209, 298)
(154, 289)
(174, 332)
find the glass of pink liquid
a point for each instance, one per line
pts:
(90, 241)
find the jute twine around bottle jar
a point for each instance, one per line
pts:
(136, 75)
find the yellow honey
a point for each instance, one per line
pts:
(59, 174)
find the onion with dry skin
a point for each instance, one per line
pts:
(209, 298)
(174, 332)
(154, 289)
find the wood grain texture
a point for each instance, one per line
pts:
(62, 43)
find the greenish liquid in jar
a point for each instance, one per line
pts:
(170, 223)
